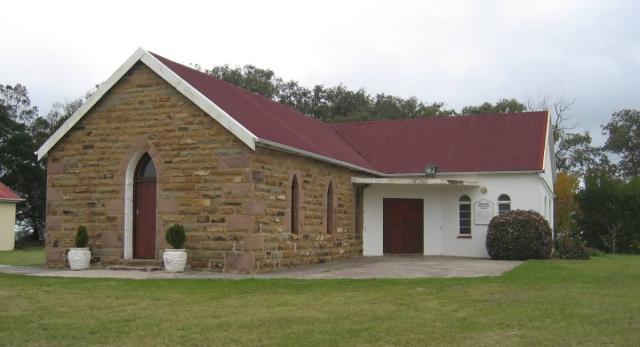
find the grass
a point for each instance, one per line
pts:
(32, 256)
(540, 303)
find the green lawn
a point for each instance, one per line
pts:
(32, 256)
(553, 303)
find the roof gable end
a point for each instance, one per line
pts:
(140, 55)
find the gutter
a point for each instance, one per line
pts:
(288, 149)
(12, 200)
(450, 173)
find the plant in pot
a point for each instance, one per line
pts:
(175, 259)
(80, 257)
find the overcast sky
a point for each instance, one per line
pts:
(457, 52)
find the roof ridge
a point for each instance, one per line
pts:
(441, 117)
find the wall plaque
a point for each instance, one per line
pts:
(483, 212)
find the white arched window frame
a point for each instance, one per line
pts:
(504, 204)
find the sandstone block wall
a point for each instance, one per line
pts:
(234, 202)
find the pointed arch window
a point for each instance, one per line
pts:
(504, 204)
(145, 170)
(295, 205)
(330, 209)
(464, 211)
(359, 192)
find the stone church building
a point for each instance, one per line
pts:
(259, 186)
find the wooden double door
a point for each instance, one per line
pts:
(403, 226)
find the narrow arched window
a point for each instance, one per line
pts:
(145, 170)
(330, 209)
(504, 204)
(464, 211)
(295, 205)
(359, 192)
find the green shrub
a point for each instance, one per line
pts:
(519, 235)
(176, 236)
(568, 247)
(594, 252)
(82, 238)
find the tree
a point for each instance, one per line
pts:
(23, 131)
(249, 77)
(18, 166)
(502, 106)
(623, 139)
(574, 152)
(608, 212)
(331, 104)
(17, 104)
(566, 187)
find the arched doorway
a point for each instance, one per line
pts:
(144, 209)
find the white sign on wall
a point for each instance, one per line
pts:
(483, 212)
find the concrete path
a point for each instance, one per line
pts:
(361, 267)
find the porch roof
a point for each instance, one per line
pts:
(414, 181)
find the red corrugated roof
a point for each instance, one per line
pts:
(7, 194)
(512, 142)
(497, 142)
(268, 119)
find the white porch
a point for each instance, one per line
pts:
(440, 212)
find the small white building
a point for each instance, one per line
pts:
(488, 165)
(8, 201)
(454, 210)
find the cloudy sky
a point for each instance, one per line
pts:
(458, 52)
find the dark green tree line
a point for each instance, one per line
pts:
(331, 104)
(22, 132)
(608, 214)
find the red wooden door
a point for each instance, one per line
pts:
(402, 226)
(144, 202)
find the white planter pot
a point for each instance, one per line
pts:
(79, 258)
(175, 260)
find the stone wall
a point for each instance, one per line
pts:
(234, 202)
(272, 174)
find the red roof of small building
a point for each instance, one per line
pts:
(478, 143)
(6, 194)
(499, 142)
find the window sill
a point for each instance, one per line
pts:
(464, 236)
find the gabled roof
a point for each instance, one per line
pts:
(6, 194)
(456, 144)
(267, 119)
(479, 143)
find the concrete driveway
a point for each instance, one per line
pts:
(401, 266)
(397, 266)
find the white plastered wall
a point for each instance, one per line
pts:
(441, 226)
